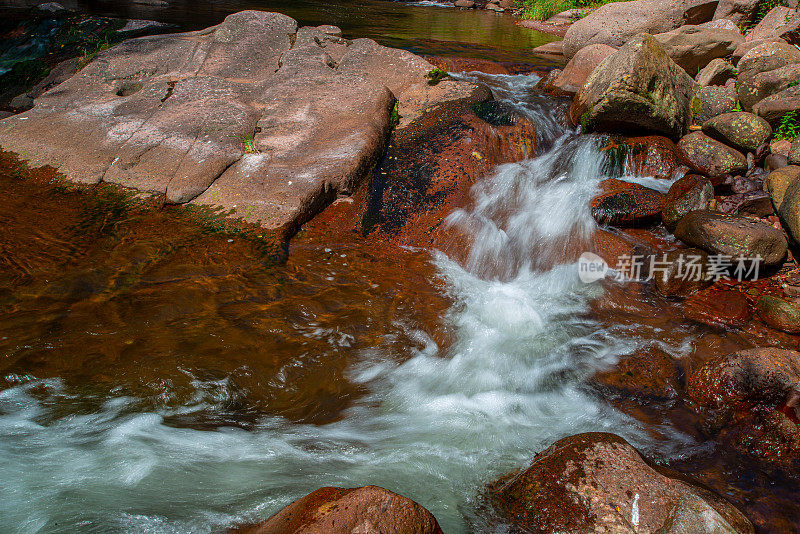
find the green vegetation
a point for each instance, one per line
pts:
(90, 53)
(436, 75)
(765, 6)
(394, 118)
(789, 126)
(737, 107)
(249, 146)
(544, 9)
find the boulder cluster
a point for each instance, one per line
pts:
(685, 72)
(498, 6)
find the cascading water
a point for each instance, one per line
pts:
(436, 427)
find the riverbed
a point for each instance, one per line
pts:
(163, 375)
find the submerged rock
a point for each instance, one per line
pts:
(626, 204)
(711, 158)
(597, 482)
(253, 116)
(734, 236)
(369, 509)
(690, 193)
(637, 88)
(685, 272)
(726, 309)
(749, 395)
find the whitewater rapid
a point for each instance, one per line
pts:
(436, 427)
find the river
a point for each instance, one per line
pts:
(181, 381)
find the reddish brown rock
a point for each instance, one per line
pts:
(685, 271)
(710, 157)
(693, 47)
(617, 22)
(780, 21)
(690, 193)
(731, 235)
(611, 246)
(774, 107)
(255, 117)
(580, 67)
(651, 374)
(553, 51)
(752, 400)
(346, 511)
(546, 83)
(779, 314)
(652, 155)
(718, 308)
(626, 204)
(597, 482)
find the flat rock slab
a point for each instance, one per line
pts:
(254, 116)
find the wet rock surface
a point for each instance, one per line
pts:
(598, 482)
(685, 271)
(626, 204)
(346, 511)
(718, 233)
(752, 394)
(253, 116)
(690, 193)
(725, 309)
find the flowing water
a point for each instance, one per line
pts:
(182, 381)
(138, 387)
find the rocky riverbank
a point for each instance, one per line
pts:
(282, 125)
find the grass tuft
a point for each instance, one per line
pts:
(544, 9)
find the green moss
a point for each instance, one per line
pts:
(697, 107)
(436, 75)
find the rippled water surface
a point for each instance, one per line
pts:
(423, 27)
